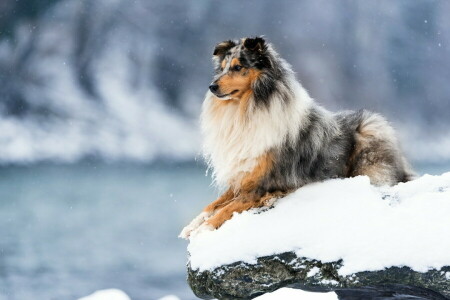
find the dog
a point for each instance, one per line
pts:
(264, 136)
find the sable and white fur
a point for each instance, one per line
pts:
(232, 142)
(270, 137)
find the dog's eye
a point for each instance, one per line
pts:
(237, 68)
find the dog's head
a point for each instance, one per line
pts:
(242, 68)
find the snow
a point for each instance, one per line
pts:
(294, 294)
(283, 293)
(115, 294)
(169, 297)
(370, 228)
(313, 272)
(109, 294)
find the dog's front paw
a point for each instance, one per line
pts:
(202, 228)
(270, 202)
(194, 225)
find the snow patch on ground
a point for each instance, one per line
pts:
(370, 228)
(169, 297)
(109, 294)
(294, 294)
(313, 272)
(115, 294)
(283, 293)
(447, 275)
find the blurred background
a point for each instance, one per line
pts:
(99, 104)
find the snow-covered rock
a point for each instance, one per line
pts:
(333, 235)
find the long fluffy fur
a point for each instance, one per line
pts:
(274, 138)
(234, 141)
(292, 124)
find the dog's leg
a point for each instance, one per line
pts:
(207, 212)
(244, 202)
(223, 200)
(246, 198)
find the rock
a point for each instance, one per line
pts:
(246, 281)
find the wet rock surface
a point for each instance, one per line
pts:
(246, 281)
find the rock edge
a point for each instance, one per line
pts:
(246, 281)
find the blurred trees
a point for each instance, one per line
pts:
(15, 11)
(61, 57)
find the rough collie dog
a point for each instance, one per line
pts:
(264, 136)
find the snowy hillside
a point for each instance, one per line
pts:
(368, 228)
(125, 81)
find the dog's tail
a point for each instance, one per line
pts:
(373, 128)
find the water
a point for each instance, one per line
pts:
(66, 231)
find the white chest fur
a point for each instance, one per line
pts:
(233, 141)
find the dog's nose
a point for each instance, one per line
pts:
(214, 87)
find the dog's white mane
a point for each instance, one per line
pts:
(233, 142)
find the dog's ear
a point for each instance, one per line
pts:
(223, 47)
(256, 44)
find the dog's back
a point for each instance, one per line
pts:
(339, 145)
